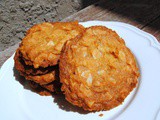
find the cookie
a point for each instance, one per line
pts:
(97, 70)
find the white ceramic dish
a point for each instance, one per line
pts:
(19, 103)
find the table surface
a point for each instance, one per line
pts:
(144, 14)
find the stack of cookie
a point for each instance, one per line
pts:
(96, 69)
(38, 54)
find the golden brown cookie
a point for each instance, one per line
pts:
(40, 79)
(97, 70)
(54, 86)
(39, 89)
(29, 69)
(42, 45)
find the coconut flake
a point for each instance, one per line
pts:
(89, 79)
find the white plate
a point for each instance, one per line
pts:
(18, 103)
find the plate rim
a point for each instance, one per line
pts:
(154, 42)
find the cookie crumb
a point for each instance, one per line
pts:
(101, 115)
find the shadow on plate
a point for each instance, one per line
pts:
(21, 79)
(65, 105)
(58, 98)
